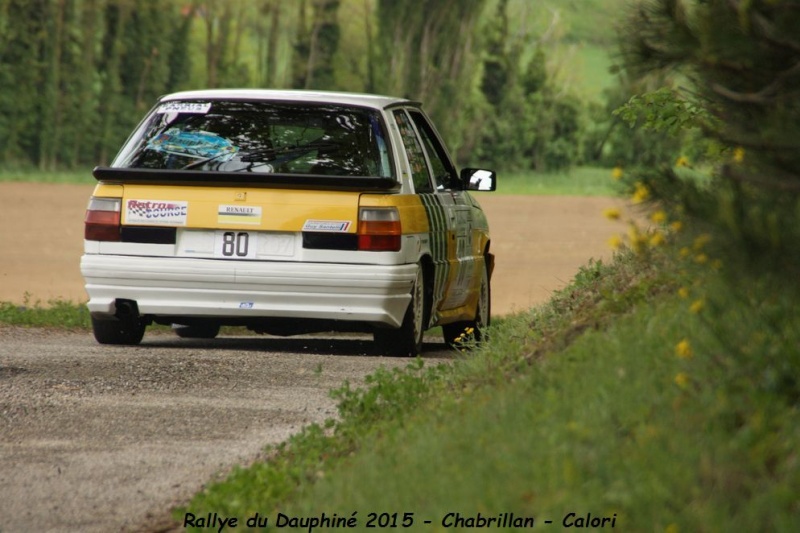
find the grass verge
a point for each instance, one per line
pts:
(53, 314)
(34, 176)
(622, 397)
(579, 181)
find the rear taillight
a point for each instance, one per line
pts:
(379, 229)
(102, 219)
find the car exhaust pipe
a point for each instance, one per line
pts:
(126, 309)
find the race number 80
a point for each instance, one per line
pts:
(235, 245)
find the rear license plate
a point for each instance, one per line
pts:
(252, 245)
(235, 244)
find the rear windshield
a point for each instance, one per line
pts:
(260, 137)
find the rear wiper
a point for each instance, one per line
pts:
(271, 154)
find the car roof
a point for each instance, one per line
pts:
(323, 97)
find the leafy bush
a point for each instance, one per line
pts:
(740, 64)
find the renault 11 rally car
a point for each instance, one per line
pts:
(287, 212)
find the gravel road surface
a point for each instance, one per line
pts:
(98, 439)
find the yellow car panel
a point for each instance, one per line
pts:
(236, 208)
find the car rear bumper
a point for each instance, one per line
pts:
(184, 287)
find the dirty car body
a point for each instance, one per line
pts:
(287, 212)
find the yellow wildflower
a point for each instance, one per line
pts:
(683, 292)
(612, 213)
(700, 241)
(658, 217)
(684, 349)
(615, 242)
(657, 239)
(682, 161)
(676, 226)
(685, 252)
(616, 173)
(738, 154)
(637, 238)
(701, 259)
(640, 193)
(697, 306)
(681, 379)
(672, 528)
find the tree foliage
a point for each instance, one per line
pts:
(530, 123)
(740, 62)
(76, 75)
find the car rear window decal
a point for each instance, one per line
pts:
(184, 107)
(199, 144)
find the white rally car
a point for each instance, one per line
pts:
(287, 212)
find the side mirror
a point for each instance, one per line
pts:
(477, 179)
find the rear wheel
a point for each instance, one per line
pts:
(205, 331)
(126, 331)
(407, 339)
(457, 333)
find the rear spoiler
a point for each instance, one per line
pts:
(150, 176)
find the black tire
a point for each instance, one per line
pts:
(406, 341)
(206, 331)
(456, 333)
(128, 331)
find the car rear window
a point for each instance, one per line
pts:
(264, 137)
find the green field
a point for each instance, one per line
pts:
(580, 181)
(31, 176)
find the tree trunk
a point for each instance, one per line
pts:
(370, 84)
(52, 108)
(272, 44)
(85, 100)
(112, 90)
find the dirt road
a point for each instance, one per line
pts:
(101, 438)
(540, 242)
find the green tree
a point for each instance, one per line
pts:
(529, 123)
(21, 73)
(179, 60)
(324, 45)
(83, 79)
(497, 65)
(301, 51)
(426, 50)
(741, 64)
(227, 24)
(268, 29)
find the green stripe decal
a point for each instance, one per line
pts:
(437, 219)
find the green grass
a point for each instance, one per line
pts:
(33, 176)
(580, 181)
(581, 405)
(594, 63)
(52, 314)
